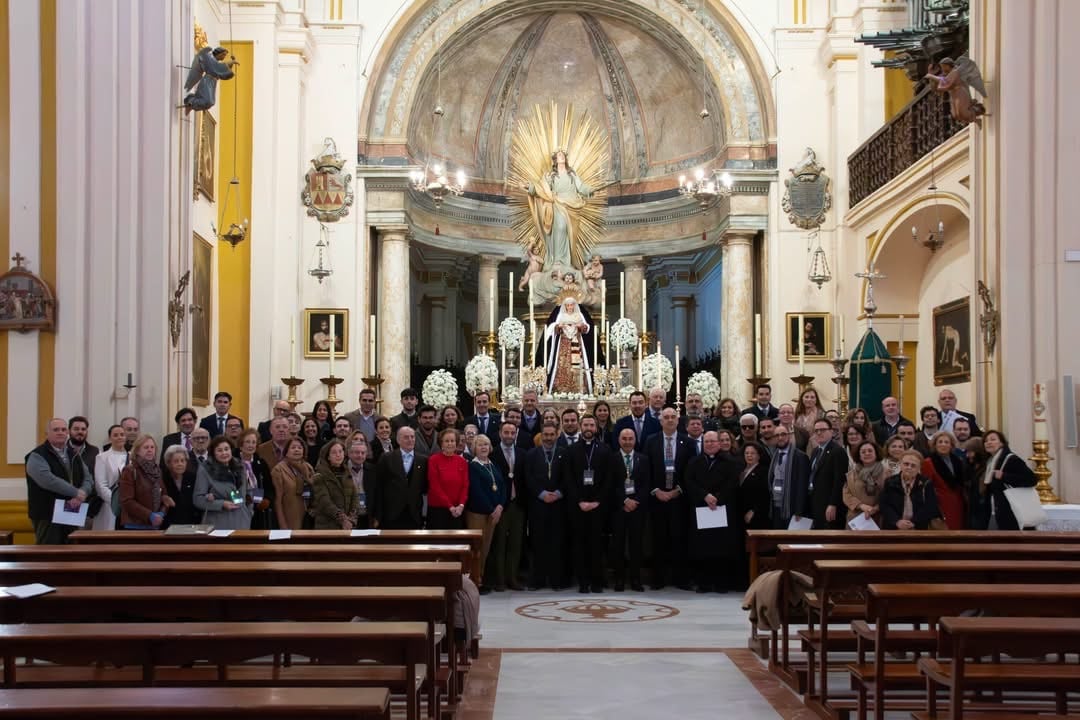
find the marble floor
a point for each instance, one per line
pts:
(567, 656)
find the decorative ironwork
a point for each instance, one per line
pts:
(921, 126)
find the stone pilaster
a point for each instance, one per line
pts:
(489, 270)
(738, 304)
(395, 306)
(439, 330)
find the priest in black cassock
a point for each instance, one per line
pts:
(712, 481)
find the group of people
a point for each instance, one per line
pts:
(569, 495)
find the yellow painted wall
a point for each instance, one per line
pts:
(910, 407)
(47, 248)
(898, 89)
(234, 265)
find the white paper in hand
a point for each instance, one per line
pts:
(801, 524)
(62, 516)
(861, 522)
(707, 519)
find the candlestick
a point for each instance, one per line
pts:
(841, 334)
(757, 344)
(491, 305)
(510, 297)
(644, 305)
(641, 356)
(802, 346)
(676, 373)
(293, 383)
(333, 342)
(292, 346)
(371, 345)
(901, 334)
(622, 295)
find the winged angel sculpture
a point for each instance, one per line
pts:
(558, 164)
(955, 78)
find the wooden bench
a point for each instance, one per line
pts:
(893, 602)
(225, 703)
(149, 646)
(472, 538)
(977, 637)
(844, 576)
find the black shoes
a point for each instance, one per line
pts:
(637, 587)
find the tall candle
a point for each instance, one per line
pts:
(502, 367)
(292, 346)
(901, 334)
(532, 322)
(641, 357)
(622, 295)
(521, 364)
(802, 347)
(1039, 412)
(659, 354)
(491, 305)
(757, 345)
(333, 341)
(676, 372)
(594, 341)
(841, 335)
(372, 367)
(510, 296)
(603, 308)
(607, 343)
(644, 305)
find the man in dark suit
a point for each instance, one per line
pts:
(630, 486)
(570, 430)
(215, 424)
(695, 433)
(828, 473)
(547, 510)
(585, 480)
(949, 413)
(763, 406)
(510, 459)
(408, 415)
(485, 419)
(695, 408)
(789, 480)
(78, 429)
(638, 420)
(530, 417)
(668, 454)
(281, 409)
(400, 483)
(885, 428)
(185, 420)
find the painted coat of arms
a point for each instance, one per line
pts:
(327, 192)
(806, 194)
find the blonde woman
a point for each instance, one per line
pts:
(487, 498)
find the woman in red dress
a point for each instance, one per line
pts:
(947, 469)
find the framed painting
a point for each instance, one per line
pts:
(26, 302)
(817, 336)
(202, 298)
(317, 332)
(952, 342)
(205, 155)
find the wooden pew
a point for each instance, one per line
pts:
(7, 537)
(977, 637)
(762, 542)
(472, 538)
(889, 603)
(226, 703)
(840, 576)
(150, 646)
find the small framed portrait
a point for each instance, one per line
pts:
(952, 342)
(205, 155)
(317, 337)
(817, 336)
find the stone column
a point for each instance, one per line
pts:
(395, 305)
(680, 307)
(439, 330)
(489, 270)
(738, 282)
(634, 267)
(725, 320)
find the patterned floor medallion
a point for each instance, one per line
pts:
(593, 610)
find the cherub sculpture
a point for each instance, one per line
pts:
(208, 67)
(955, 78)
(593, 271)
(535, 261)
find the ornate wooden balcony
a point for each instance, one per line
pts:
(921, 126)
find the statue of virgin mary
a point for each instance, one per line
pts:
(567, 344)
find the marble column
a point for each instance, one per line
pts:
(725, 321)
(634, 267)
(680, 313)
(489, 270)
(439, 352)
(739, 300)
(394, 307)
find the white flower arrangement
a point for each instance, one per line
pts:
(624, 334)
(536, 385)
(481, 374)
(511, 334)
(649, 370)
(624, 392)
(705, 384)
(511, 394)
(439, 389)
(570, 396)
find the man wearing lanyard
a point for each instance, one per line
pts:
(543, 474)
(511, 461)
(586, 474)
(668, 454)
(630, 488)
(362, 479)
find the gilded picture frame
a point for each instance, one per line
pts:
(202, 299)
(317, 331)
(952, 342)
(205, 155)
(817, 337)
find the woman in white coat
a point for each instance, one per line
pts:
(107, 476)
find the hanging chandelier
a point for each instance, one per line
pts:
(320, 272)
(434, 180)
(237, 231)
(706, 189)
(934, 238)
(819, 265)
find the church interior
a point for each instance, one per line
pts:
(301, 201)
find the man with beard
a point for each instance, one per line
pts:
(510, 459)
(543, 477)
(586, 474)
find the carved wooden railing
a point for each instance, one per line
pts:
(921, 126)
